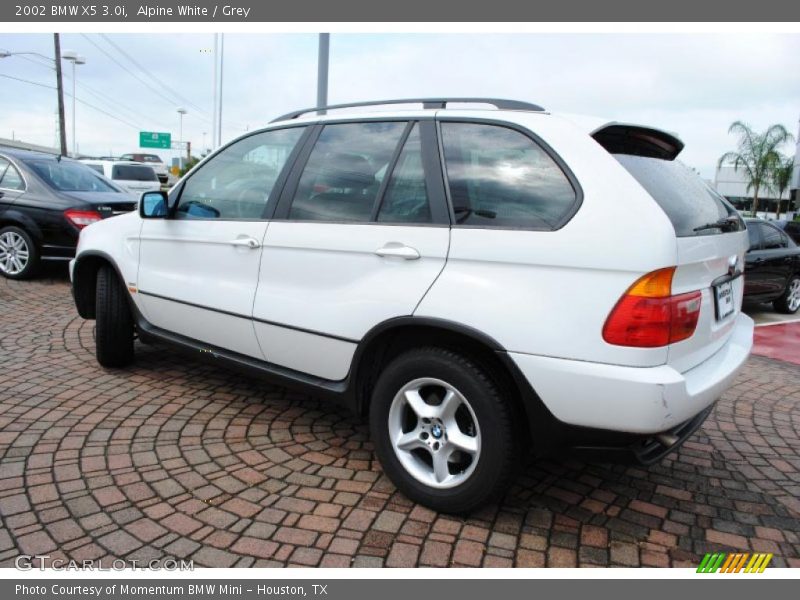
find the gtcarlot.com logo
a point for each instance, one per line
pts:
(720, 562)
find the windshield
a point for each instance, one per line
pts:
(689, 202)
(69, 176)
(133, 173)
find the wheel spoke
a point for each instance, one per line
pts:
(449, 406)
(441, 470)
(462, 441)
(410, 441)
(422, 409)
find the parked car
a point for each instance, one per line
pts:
(45, 201)
(772, 267)
(135, 177)
(480, 282)
(790, 228)
(150, 159)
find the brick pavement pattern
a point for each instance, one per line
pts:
(175, 458)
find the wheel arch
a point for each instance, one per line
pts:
(19, 219)
(84, 280)
(390, 338)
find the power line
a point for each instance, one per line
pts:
(84, 102)
(44, 85)
(150, 74)
(131, 73)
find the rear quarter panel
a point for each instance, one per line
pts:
(549, 293)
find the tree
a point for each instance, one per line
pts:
(757, 155)
(781, 178)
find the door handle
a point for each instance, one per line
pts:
(399, 250)
(246, 242)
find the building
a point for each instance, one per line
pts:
(733, 185)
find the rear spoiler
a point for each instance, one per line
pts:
(620, 138)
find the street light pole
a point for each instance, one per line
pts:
(181, 111)
(62, 129)
(75, 59)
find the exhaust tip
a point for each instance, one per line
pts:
(667, 439)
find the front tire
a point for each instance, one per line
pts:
(19, 256)
(789, 302)
(114, 321)
(443, 430)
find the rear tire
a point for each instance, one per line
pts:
(114, 321)
(789, 302)
(19, 256)
(462, 452)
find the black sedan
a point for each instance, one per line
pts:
(772, 267)
(45, 200)
(792, 229)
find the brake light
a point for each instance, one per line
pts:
(82, 218)
(649, 316)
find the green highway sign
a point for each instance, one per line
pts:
(154, 139)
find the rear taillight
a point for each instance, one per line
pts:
(649, 316)
(82, 218)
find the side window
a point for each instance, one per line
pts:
(406, 197)
(236, 183)
(343, 175)
(773, 238)
(10, 178)
(499, 177)
(754, 236)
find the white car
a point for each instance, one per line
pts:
(133, 176)
(153, 160)
(479, 281)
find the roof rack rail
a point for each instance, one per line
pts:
(498, 103)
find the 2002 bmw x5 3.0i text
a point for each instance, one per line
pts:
(479, 281)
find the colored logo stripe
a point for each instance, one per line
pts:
(733, 563)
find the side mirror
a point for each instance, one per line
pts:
(154, 205)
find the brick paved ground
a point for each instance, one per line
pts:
(178, 459)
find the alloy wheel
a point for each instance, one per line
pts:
(793, 296)
(434, 433)
(14, 253)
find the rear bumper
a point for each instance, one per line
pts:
(635, 400)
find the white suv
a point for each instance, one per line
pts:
(480, 282)
(135, 177)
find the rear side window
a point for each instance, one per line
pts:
(344, 172)
(687, 200)
(499, 177)
(10, 178)
(774, 238)
(753, 236)
(133, 173)
(406, 198)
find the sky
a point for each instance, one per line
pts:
(692, 84)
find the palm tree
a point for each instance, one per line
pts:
(757, 154)
(781, 178)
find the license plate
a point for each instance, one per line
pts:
(724, 297)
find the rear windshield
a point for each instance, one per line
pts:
(691, 205)
(68, 176)
(133, 173)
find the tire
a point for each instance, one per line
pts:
(19, 256)
(789, 302)
(114, 321)
(477, 416)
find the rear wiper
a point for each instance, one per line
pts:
(726, 224)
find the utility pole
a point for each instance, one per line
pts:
(322, 70)
(216, 90)
(62, 126)
(219, 104)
